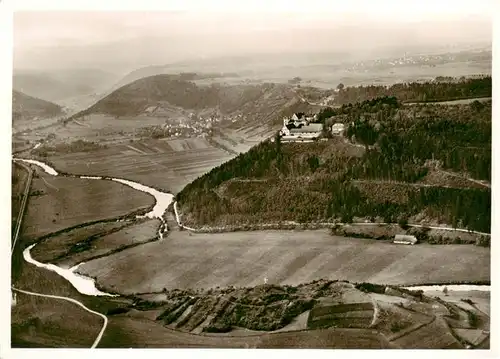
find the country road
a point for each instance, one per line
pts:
(99, 336)
(16, 235)
(23, 205)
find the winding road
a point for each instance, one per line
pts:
(105, 324)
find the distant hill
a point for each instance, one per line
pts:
(261, 102)
(58, 86)
(26, 107)
(164, 70)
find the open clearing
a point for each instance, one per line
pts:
(61, 202)
(243, 259)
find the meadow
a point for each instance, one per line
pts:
(240, 259)
(126, 332)
(57, 203)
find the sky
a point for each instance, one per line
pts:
(118, 33)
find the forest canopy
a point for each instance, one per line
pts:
(389, 143)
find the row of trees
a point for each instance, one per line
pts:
(415, 91)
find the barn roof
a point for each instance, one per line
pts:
(313, 127)
(405, 238)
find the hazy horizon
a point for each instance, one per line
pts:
(122, 41)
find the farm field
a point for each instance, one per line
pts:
(52, 323)
(165, 164)
(57, 203)
(283, 257)
(126, 332)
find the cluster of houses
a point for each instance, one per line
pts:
(301, 127)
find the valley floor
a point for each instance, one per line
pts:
(186, 260)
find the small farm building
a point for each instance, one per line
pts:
(311, 130)
(405, 239)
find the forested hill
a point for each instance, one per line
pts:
(419, 92)
(27, 107)
(408, 163)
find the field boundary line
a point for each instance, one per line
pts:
(101, 332)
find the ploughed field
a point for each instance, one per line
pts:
(283, 257)
(57, 203)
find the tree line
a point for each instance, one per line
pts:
(418, 92)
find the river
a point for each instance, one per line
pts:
(87, 286)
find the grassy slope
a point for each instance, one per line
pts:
(51, 323)
(127, 332)
(246, 258)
